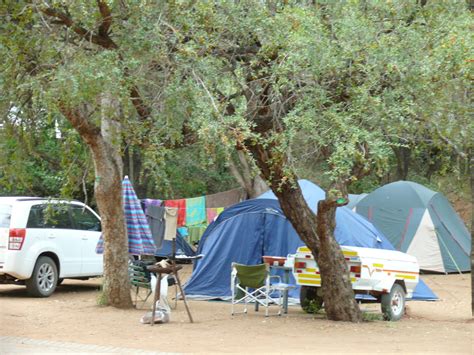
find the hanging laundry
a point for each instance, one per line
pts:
(183, 231)
(196, 211)
(156, 220)
(171, 220)
(195, 233)
(226, 198)
(150, 202)
(181, 206)
(212, 214)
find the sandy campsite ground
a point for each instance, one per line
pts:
(72, 315)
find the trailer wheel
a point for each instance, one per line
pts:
(310, 301)
(393, 303)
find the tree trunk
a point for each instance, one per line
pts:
(317, 234)
(336, 284)
(259, 186)
(403, 155)
(132, 164)
(433, 162)
(108, 193)
(471, 169)
(253, 184)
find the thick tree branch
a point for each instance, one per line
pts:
(450, 143)
(236, 174)
(87, 130)
(106, 18)
(143, 110)
(420, 4)
(243, 161)
(103, 41)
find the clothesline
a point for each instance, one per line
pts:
(220, 199)
(198, 208)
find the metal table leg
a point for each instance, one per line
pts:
(156, 297)
(285, 292)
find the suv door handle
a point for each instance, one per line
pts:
(51, 237)
(85, 238)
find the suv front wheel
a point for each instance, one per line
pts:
(44, 279)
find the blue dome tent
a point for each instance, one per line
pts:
(250, 229)
(182, 247)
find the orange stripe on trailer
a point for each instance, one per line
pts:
(402, 271)
(370, 271)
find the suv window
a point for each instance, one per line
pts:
(36, 217)
(5, 216)
(49, 216)
(85, 219)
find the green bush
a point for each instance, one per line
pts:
(311, 306)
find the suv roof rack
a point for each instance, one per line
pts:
(43, 199)
(30, 198)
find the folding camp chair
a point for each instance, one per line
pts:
(252, 283)
(139, 278)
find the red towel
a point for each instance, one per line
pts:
(181, 205)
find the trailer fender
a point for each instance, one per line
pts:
(385, 285)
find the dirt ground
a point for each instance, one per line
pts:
(71, 314)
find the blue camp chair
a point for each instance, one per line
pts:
(252, 283)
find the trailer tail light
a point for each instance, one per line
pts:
(300, 265)
(16, 238)
(356, 270)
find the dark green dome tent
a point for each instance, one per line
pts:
(420, 222)
(354, 200)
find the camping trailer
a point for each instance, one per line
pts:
(389, 276)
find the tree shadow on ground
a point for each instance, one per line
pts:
(69, 286)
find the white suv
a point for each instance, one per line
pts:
(43, 241)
